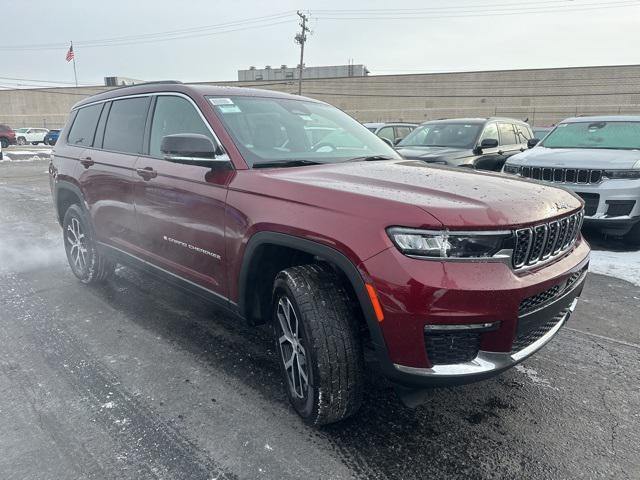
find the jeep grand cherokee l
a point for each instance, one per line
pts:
(599, 159)
(445, 276)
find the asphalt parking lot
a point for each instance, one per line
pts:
(137, 380)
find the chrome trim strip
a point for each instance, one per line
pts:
(216, 294)
(487, 362)
(465, 327)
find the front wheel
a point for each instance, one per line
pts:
(89, 265)
(21, 141)
(4, 143)
(317, 343)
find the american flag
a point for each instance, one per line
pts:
(70, 53)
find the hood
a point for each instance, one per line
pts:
(587, 158)
(432, 153)
(457, 198)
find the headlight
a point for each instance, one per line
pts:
(446, 244)
(624, 174)
(513, 169)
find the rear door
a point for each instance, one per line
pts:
(180, 209)
(491, 158)
(108, 170)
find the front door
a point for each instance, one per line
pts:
(180, 209)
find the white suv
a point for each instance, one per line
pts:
(597, 158)
(30, 135)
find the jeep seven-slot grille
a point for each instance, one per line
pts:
(561, 175)
(540, 242)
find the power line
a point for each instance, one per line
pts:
(193, 32)
(430, 15)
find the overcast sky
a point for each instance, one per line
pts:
(434, 41)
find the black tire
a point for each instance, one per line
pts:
(21, 141)
(84, 259)
(4, 143)
(632, 237)
(331, 354)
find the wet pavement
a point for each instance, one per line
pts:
(137, 380)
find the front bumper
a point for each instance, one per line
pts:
(417, 295)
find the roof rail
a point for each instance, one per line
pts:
(155, 82)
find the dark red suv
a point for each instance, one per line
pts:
(7, 136)
(285, 210)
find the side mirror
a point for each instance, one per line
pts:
(387, 141)
(532, 142)
(190, 148)
(489, 143)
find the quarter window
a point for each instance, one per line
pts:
(125, 125)
(174, 115)
(84, 126)
(507, 134)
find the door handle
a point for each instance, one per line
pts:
(87, 162)
(147, 173)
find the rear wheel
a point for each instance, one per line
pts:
(84, 259)
(633, 235)
(317, 344)
(4, 142)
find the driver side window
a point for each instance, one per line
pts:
(174, 115)
(490, 131)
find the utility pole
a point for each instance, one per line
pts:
(301, 38)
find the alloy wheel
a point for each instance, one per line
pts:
(292, 351)
(77, 245)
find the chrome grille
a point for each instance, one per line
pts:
(561, 175)
(541, 242)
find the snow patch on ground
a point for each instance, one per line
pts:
(107, 405)
(26, 158)
(532, 375)
(623, 265)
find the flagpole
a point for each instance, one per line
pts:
(75, 73)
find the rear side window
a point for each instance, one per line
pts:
(125, 126)
(174, 115)
(84, 126)
(507, 135)
(402, 131)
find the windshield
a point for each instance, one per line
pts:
(611, 135)
(269, 130)
(459, 135)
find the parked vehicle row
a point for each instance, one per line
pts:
(26, 136)
(285, 210)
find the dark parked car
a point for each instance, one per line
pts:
(52, 137)
(352, 253)
(7, 136)
(391, 133)
(598, 158)
(480, 143)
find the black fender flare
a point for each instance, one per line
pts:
(61, 185)
(325, 252)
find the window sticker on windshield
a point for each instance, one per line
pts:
(229, 108)
(220, 101)
(467, 126)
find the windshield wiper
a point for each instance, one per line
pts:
(371, 158)
(285, 163)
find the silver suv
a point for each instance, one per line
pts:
(598, 158)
